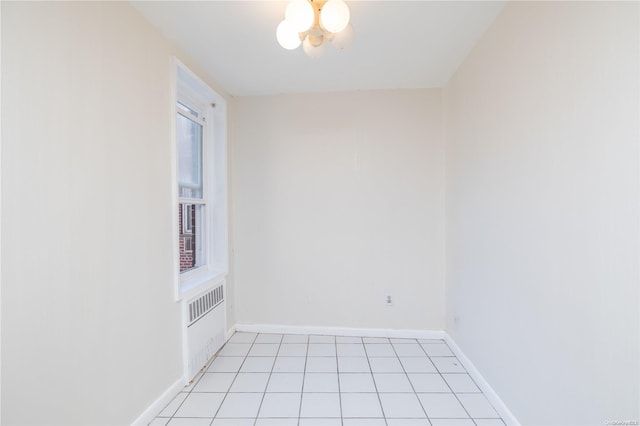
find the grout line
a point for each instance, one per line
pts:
(236, 377)
(304, 373)
(264, 393)
(335, 346)
(411, 384)
(375, 385)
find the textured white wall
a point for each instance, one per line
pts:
(542, 209)
(90, 328)
(338, 199)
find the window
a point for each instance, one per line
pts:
(200, 184)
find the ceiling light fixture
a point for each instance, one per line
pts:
(312, 22)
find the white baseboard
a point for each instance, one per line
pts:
(229, 333)
(485, 387)
(158, 405)
(341, 331)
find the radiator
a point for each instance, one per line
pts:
(205, 323)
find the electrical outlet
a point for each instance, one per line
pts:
(388, 300)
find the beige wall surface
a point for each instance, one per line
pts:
(90, 328)
(542, 210)
(338, 200)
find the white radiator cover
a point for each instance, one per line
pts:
(204, 328)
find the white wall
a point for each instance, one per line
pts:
(338, 199)
(90, 328)
(542, 208)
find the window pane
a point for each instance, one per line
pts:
(191, 239)
(189, 158)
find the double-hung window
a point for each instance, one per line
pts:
(201, 184)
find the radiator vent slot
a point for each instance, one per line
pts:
(203, 304)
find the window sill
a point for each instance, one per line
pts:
(199, 281)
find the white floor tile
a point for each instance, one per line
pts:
(403, 341)
(158, 421)
(289, 365)
(321, 365)
(363, 422)
(200, 405)
(293, 349)
(437, 349)
(452, 422)
(489, 422)
(356, 382)
(315, 338)
(417, 365)
(280, 405)
(379, 349)
(360, 405)
(408, 422)
(268, 338)
(320, 422)
(241, 337)
(428, 382)
(401, 405)
(240, 405)
(448, 364)
(461, 383)
(353, 365)
(385, 365)
(392, 382)
(477, 405)
(226, 364)
(233, 422)
(442, 405)
(277, 422)
(285, 382)
(430, 341)
(321, 382)
(171, 408)
(250, 382)
(264, 349)
(295, 338)
(194, 382)
(189, 422)
(320, 405)
(257, 364)
(409, 349)
(348, 339)
(235, 349)
(215, 382)
(351, 349)
(375, 340)
(322, 349)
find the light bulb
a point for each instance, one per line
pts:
(299, 13)
(313, 51)
(335, 15)
(343, 39)
(287, 35)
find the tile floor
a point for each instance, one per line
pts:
(314, 380)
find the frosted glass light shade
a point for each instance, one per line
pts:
(299, 13)
(313, 51)
(335, 15)
(287, 35)
(343, 39)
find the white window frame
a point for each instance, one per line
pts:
(190, 90)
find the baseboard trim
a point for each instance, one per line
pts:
(229, 333)
(485, 387)
(341, 331)
(158, 405)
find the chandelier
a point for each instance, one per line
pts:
(314, 22)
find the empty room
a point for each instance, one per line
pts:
(320, 213)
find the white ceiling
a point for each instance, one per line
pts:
(398, 44)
